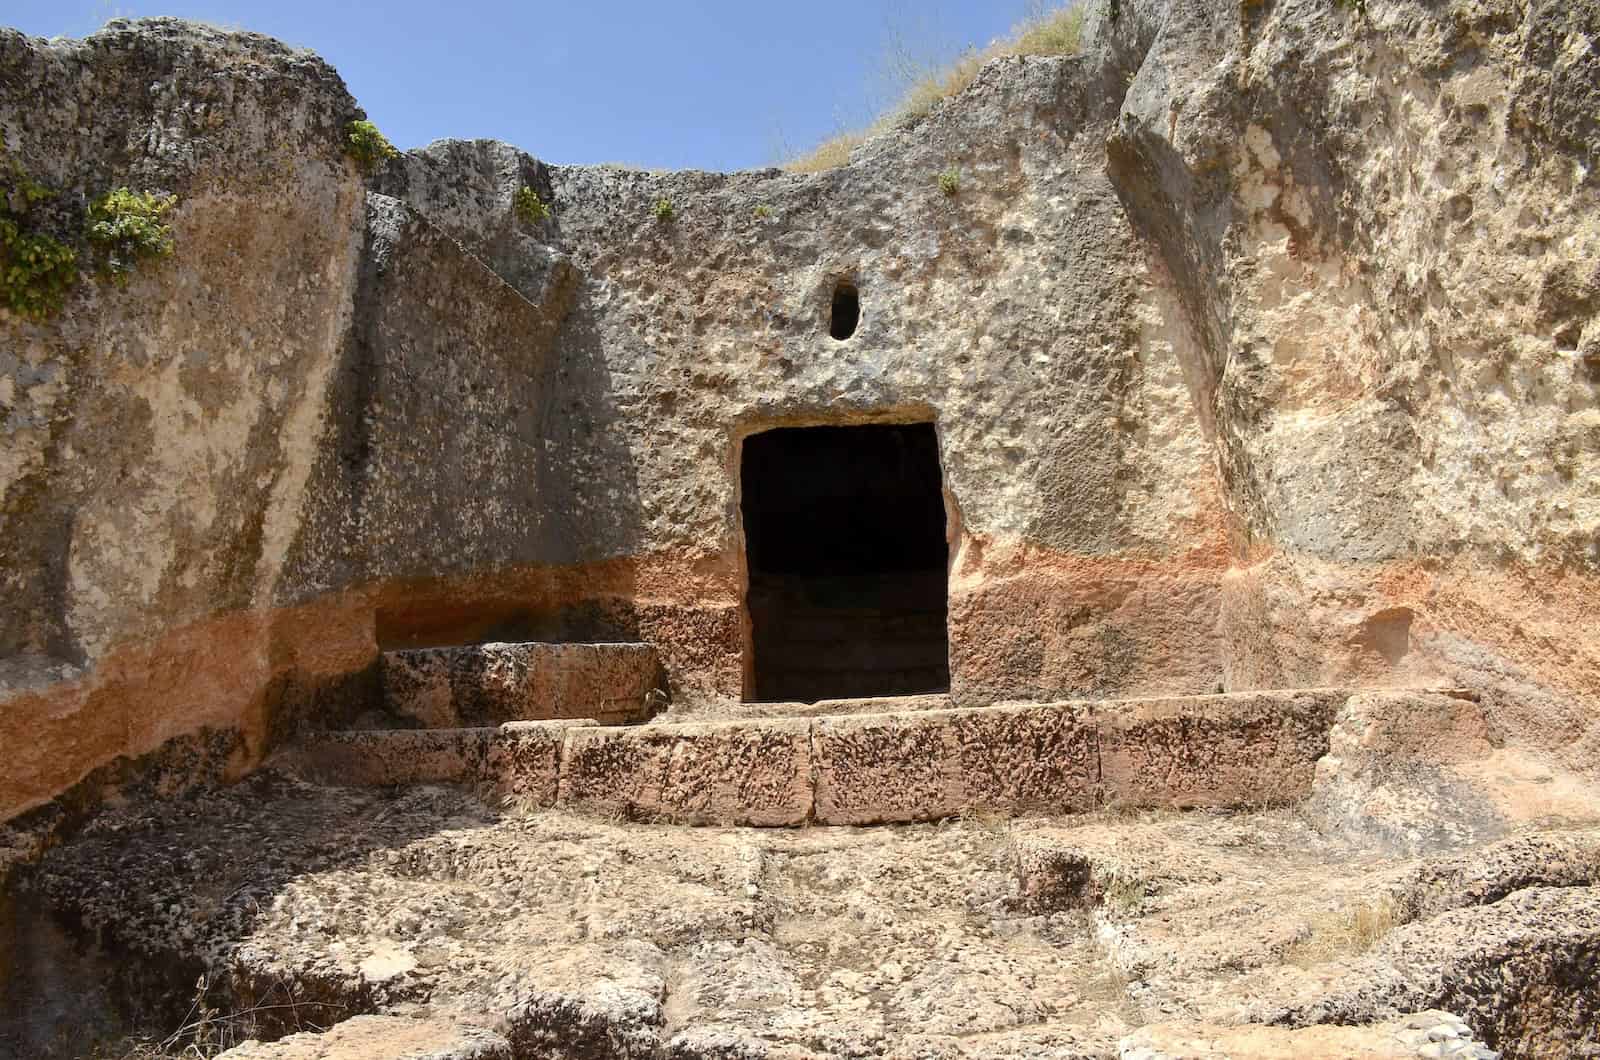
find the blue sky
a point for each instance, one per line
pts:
(716, 84)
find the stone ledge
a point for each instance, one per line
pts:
(488, 684)
(1238, 749)
(746, 773)
(518, 761)
(378, 1036)
(874, 769)
(1246, 750)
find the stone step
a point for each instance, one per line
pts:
(381, 1037)
(518, 762)
(490, 684)
(808, 709)
(1249, 749)
(811, 686)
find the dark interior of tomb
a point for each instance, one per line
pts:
(845, 546)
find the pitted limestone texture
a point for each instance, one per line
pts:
(1240, 750)
(582, 935)
(487, 684)
(749, 772)
(1430, 1035)
(381, 1038)
(518, 762)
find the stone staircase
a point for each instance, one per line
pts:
(571, 726)
(509, 880)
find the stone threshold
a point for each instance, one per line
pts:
(1238, 750)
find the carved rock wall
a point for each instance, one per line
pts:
(1260, 341)
(1388, 219)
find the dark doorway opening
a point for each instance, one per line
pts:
(846, 311)
(845, 549)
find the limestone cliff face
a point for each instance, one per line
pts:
(1388, 224)
(1020, 315)
(1261, 342)
(158, 437)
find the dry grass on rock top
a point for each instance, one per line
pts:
(1044, 32)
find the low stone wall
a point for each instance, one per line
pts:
(736, 772)
(487, 684)
(519, 762)
(1248, 749)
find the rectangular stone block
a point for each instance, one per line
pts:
(741, 772)
(371, 1037)
(394, 756)
(1436, 726)
(516, 764)
(1243, 749)
(921, 767)
(489, 684)
(523, 767)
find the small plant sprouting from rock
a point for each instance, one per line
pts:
(950, 182)
(129, 227)
(665, 211)
(36, 270)
(762, 212)
(530, 208)
(368, 146)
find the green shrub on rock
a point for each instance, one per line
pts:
(36, 270)
(368, 146)
(128, 228)
(529, 207)
(665, 210)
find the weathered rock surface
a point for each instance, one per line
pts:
(1425, 1034)
(158, 437)
(487, 684)
(1521, 972)
(381, 1038)
(575, 936)
(1244, 750)
(518, 762)
(1382, 222)
(1260, 342)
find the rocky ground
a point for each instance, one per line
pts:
(552, 934)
